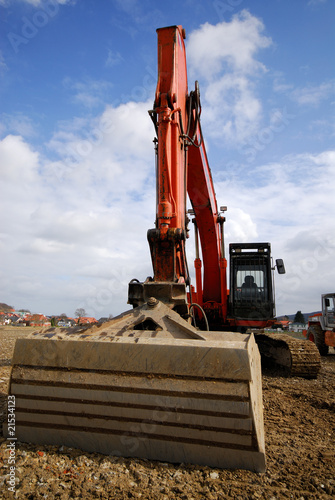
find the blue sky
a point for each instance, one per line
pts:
(77, 191)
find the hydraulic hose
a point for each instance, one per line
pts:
(203, 312)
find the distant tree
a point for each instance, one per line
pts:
(24, 311)
(299, 318)
(5, 307)
(110, 316)
(80, 312)
(63, 315)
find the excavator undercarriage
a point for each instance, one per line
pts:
(288, 356)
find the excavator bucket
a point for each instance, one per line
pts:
(146, 384)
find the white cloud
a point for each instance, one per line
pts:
(279, 83)
(36, 3)
(313, 95)
(19, 164)
(89, 93)
(316, 2)
(227, 45)
(309, 95)
(64, 221)
(240, 227)
(223, 56)
(17, 124)
(113, 58)
(233, 111)
(77, 240)
(290, 204)
(3, 65)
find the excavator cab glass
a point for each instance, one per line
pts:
(250, 296)
(329, 310)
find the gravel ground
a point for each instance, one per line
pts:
(299, 427)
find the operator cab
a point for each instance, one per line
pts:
(251, 290)
(328, 306)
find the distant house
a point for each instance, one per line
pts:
(86, 320)
(298, 327)
(71, 321)
(103, 319)
(63, 323)
(8, 318)
(37, 320)
(283, 324)
(66, 322)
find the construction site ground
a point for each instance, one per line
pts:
(299, 419)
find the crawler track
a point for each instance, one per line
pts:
(298, 358)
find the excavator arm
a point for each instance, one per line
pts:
(208, 221)
(167, 240)
(182, 167)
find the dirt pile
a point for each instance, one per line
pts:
(300, 446)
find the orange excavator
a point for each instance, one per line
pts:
(182, 167)
(177, 378)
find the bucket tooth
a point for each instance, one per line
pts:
(170, 393)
